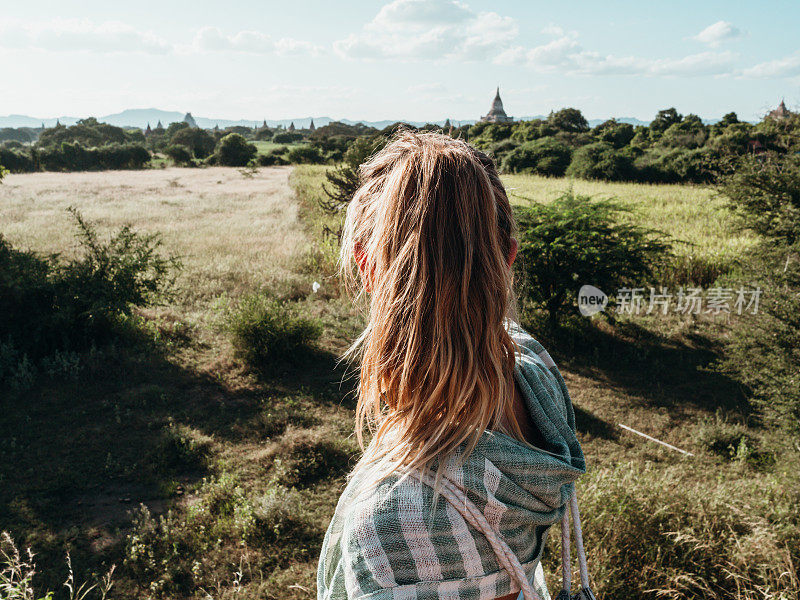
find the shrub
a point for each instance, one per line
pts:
(179, 154)
(546, 156)
(266, 332)
(287, 137)
(50, 305)
(18, 160)
(765, 192)
(575, 240)
(600, 161)
(199, 142)
(344, 180)
(305, 155)
(72, 156)
(235, 151)
(763, 352)
(268, 160)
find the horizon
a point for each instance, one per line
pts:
(405, 60)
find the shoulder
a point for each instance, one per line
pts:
(538, 374)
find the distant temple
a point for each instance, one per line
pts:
(159, 127)
(148, 132)
(291, 126)
(496, 114)
(312, 127)
(779, 113)
(189, 119)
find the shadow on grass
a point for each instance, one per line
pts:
(77, 456)
(661, 371)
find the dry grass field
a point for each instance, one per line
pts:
(202, 214)
(202, 478)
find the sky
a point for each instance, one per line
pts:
(406, 59)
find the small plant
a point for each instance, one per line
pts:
(53, 308)
(17, 572)
(265, 331)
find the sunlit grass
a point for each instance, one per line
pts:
(687, 213)
(234, 230)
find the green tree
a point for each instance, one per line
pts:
(617, 134)
(600, 161)
(665, 118)
(570, 120)
(545, 156)
(765, 193)
(199, 142)
(235, 151)
(344, 180)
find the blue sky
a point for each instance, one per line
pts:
(406, 59)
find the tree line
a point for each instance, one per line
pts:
(672, 148)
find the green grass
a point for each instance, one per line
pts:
(239, 470)
(690, 214)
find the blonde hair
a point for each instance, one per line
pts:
(432, 227)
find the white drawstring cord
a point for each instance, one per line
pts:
(576, 523)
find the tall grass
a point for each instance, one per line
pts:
(708, 241)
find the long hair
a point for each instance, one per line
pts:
(427, 236)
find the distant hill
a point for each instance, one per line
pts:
(140, 117)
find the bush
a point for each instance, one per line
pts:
(18, 160)
(269, 160)
(179, 154)
(546, 156)
(575, 240)
(50, 306)
(305, 155)
(765, 192)
(345, 179)
(600, 161)
(72, 156)
(199, 142)
(305, 460)
(265, 332)
(235, 151)
(287, 137)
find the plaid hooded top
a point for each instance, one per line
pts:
(392, 543)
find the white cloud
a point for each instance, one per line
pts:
(81, 35)
(211, 39)
(716, 33)
(430, 30)
(565, 54)
(787, 66)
